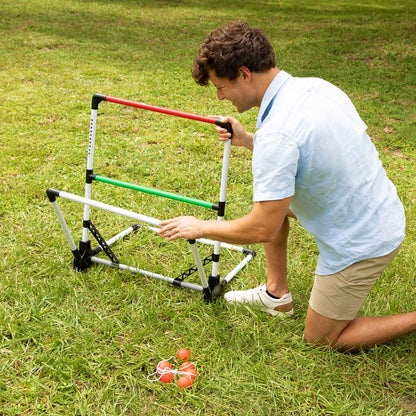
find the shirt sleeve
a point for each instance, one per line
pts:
(274, 166)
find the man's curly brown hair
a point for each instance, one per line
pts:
(227, 49)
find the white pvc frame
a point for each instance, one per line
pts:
(151, 223)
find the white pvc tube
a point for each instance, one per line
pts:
(224, 173)
(91, 141)
(223, 245)
(90, 165)
(146, 273)
(86, 215)
(199, 266)
(223, 190)
(110, 208)
(236, 269)
(63, 225)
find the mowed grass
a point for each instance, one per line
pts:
(75, 343)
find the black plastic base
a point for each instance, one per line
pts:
(207, 294)
(213, 281)
(82, 257)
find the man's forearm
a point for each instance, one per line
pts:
(239, 231)
(259, 226)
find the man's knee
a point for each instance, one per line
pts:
(315, 338)
(309, 337)
(320, 330)
(320, 338)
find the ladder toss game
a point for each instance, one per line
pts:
(85, 256)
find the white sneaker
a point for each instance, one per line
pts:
(259, 298)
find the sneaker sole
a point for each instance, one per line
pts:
(279, 313)
(261, 308)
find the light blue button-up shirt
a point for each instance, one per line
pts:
(312, 145)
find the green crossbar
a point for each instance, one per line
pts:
(157, 192)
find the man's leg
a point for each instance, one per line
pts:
(336, 300)
(361, 332)
(273, 297)
(276, 259)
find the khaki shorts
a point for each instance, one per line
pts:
(340, 296)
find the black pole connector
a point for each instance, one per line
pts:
(89, 176)
(248, 251)
(221, 208)
(52, 194)
(96, 99)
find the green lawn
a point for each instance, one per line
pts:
(76, 343)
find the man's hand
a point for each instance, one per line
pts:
(241, 137)
(190, 228)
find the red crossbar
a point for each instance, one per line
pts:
(161, 109)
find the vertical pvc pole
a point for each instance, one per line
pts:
(64, 226)
(223, 190)
(90, 165)
(79, 261)
(201, 271)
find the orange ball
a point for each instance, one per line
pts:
(191, 373)
(185, 381)
(187, 366)
(163, 367)
(166, 378)
(183, 354)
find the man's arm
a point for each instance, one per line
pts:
(261, 225)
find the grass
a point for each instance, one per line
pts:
(83, 343)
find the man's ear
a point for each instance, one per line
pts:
(245, 73)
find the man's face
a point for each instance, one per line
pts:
(238, 91)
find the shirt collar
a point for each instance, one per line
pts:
(270, 94)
